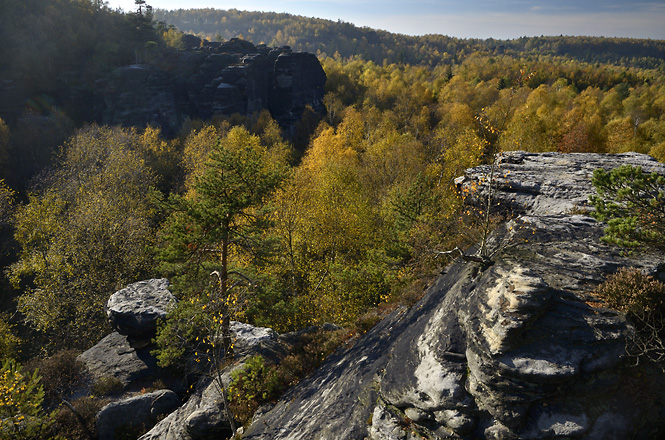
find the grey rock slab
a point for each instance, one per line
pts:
(546, 183)
(203, 415)
(113, 356)
(508, 349)
(136, 412)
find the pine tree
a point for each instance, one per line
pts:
(221, 220)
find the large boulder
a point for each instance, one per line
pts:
(125, 353)
(511, 347)
(135, 310)
(118, 420)
(114, 357)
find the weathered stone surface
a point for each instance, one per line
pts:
(234, 77)
(546, 183)
(503, 350)
(138, 95)
(298, 82)
(139, 412)
(203, 415)
(113, 356)
(134, 310)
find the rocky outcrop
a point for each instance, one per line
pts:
(510, 348)
(544, 183)
(203, 415)
(297, 82)
(139, 96)
(135, 414)
(114, 356)
(234, 77)
(135, 310)
(125, 354)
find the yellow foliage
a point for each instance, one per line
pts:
(198, 145)
(85, 235)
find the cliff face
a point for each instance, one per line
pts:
(507, 350)
(235, 77)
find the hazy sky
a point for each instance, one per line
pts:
(464, 18)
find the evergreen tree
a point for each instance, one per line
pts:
(632, 203)
(221, 220)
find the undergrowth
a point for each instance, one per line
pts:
(259, 383)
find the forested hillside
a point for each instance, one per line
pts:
(356, 217)
(328, 38)
(52, 54)
(342, 231)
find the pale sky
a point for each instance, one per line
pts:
(505, 19)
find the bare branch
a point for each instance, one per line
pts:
(465, 257)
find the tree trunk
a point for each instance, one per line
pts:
(223, 291)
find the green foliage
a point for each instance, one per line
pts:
(218, 226)
(224, 206)
(188, 332)
(354, 226)
(642, 299)
(632, 203)
(83, 234)
(252, 385)
(257, 383)
(337, 38)
(9, 342)
(54, 51)
(21, 397)
(39, 52)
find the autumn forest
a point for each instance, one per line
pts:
(342, 225)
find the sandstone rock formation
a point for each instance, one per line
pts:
(114, 356)
(135, 413)
(125, 354)
(202, 416)
(234, 77)
(503, 350)
(135, 310)
(139, 96)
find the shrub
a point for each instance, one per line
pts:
(106, 386)
(251, 386)
(9, 343)
(188, 330)
(21, 397)
(77, 422)
(60, 374)
(642, 299)
(257, 384)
